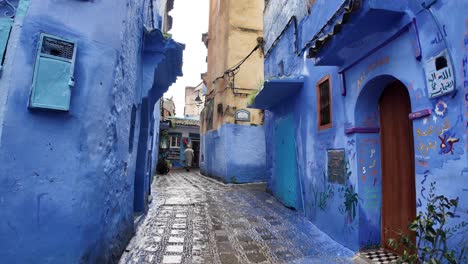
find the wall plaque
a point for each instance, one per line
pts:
(440, 77)
(336, 166)
(243, 115)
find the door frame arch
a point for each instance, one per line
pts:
(368, 160)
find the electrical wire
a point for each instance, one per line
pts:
(230, 72)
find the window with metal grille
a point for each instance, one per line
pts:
(324, 103)
(174, 141)
(58, 48)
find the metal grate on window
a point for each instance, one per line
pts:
(58, 48)
(325, 111)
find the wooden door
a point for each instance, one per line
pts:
(398, 175)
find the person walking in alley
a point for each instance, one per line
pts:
(188, 157)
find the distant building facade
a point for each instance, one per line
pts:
(176, 135)
(79, 119)
(366, 107)
(194, 100)
(168, 107)
(232, 146)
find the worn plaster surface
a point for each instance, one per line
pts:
(194, 219)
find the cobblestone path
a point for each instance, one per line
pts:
(194, 219)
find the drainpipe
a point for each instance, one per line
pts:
(427, 6)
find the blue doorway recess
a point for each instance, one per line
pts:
(139, 201)
(285, 161)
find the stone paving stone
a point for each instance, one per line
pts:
(250, 247)
(172, 259)
(196, 220)
(228, 259)
(152, 248)
(268, 237)
(176, 240)
(177, 232)
(256, 257)
(224, 247)
(244, 238)
(175, 249)
(179, 226)
(275, 223)
(221, 238)
(220, 233)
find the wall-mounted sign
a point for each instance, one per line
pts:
(336, 166)
(440, 79)
(243, 115)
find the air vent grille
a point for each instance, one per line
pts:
(58, 48)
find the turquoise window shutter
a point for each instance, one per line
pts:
(5, 29)
(53, 74)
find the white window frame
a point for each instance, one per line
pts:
(176, 141)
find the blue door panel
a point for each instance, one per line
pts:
(52, 89)
(285, 161)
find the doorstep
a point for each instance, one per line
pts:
(379, 256)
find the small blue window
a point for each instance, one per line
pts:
(53, 74)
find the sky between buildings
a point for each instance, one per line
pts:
(190, 21)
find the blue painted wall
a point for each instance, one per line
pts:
(234, 153)
(67, 179)
(364, 82)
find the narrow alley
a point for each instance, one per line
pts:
(194, 219)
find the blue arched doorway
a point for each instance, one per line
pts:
(385, 160)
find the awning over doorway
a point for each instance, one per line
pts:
(356, 27)
(276, 90)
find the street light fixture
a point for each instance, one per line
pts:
(198, 100)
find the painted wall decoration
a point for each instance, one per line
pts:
(440, 108)
(465, 82)
(350, 203)
(440, 77)
(447, 140)
(371, 68)
(322, 192)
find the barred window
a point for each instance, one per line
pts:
(324, 106)
(174, 141)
